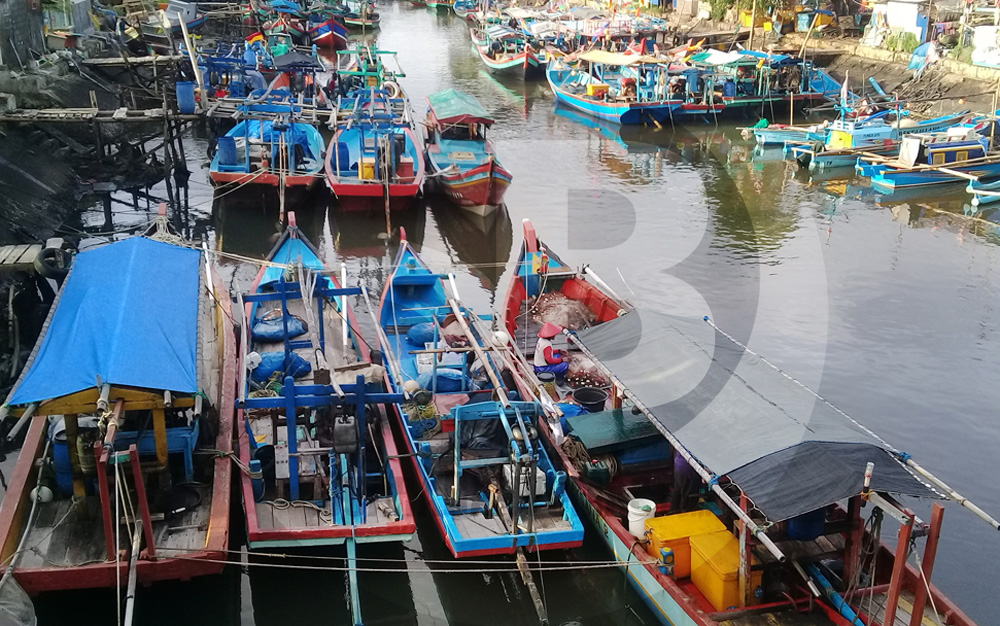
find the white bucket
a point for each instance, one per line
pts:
(640, 510)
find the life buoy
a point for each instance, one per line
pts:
(53, 262)
(392, 88)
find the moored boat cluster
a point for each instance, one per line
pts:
(567, 412)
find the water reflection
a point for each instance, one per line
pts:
(480, 243)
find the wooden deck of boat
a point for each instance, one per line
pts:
(784, 618)
(472, 523)
(526, 335)
(302, 515)
(59, 538)
(876, 606)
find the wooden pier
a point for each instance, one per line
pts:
(156, 59)
(91, 115)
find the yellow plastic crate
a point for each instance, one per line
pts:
(674, 531)
(715, 568)
(594, 89)
(367, 168)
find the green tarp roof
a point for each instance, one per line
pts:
(456, 107)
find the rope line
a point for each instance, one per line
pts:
(321, 558)
(409, 571)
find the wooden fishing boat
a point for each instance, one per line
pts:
(462, 161)
(748, 78)
(616, 87)
(338, 480)
(119, 402)
(440, 4)
(780, 134)
(278, 152)
(329, 34)
(816, 563)
(361, 15)
(465, 9)
(507, 52)
(375, 160)
(467, 483)
(847, 139)
(927, 159)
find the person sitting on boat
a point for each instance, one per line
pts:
(548, 359)
(686, 483)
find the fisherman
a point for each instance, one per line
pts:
(686, 482)
(548, 359)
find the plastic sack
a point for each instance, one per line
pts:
(447, 380)
(420, 334)
(271, 362)
(271, 329)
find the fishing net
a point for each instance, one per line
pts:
(555, 308)
(15, 605)
(583, 372)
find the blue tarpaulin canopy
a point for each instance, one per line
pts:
(128, 313)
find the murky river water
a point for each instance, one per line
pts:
(886, 308)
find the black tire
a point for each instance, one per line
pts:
(53, 262)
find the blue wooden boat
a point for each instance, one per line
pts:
(631, 89)
(933, 159)
(276, 152)
(847, 139)
(340, 469)
(465, 8)
(375, 160)
(491, 487)
(780, 134)
(462, 161)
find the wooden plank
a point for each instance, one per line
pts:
(86, 401)
(160, 435)
(16, 254)
(265, 516)
(5, 252)
(28, 257)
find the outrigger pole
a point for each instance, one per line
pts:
(708, 477)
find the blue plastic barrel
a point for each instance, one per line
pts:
(185, 97)
(729, 89)
(60, 455)
(808, 526)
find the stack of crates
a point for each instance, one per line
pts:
(715, 569)
(675, 532)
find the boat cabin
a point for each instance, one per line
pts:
(955, 145)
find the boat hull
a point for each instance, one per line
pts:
(631, 113)
(890, 179)
(267, 179)
(479, 190)
(526, 65)
(330, 34)
(355, 194)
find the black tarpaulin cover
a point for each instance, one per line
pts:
(789, 451)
